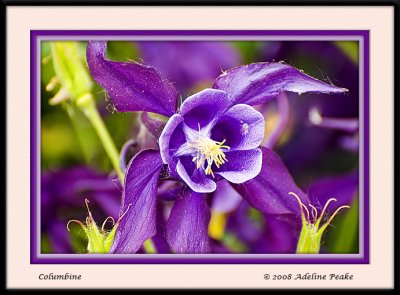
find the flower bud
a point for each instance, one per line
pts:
(99, 240)
(71, 72)
(312, 230)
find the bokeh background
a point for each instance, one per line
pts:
(75, 166)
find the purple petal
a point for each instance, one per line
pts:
(225, 198)
(160, 240)
(171, 138)
(131, 86)
(195, 179)
(269, 191)
(139, 202)
(187, 227)
(241, 126)
(258, 82)
(241, 165)
(204, 107)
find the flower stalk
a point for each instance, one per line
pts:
(87, 105)
(76, 85)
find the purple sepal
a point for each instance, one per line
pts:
(159, 239)
(269, 191)
(138, 202)
(258, 82)
(131, 86)
(187, 226)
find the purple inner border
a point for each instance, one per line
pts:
(172, 258)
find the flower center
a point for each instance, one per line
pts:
(210, 151)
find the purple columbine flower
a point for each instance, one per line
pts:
(194, 142)
(213, 135)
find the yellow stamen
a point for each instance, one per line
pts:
(209, 151)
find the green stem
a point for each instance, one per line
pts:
(87, 105)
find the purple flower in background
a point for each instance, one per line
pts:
(177, 59)
(349, 141)
(66, 189)
(316, 58)
(213, 135)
